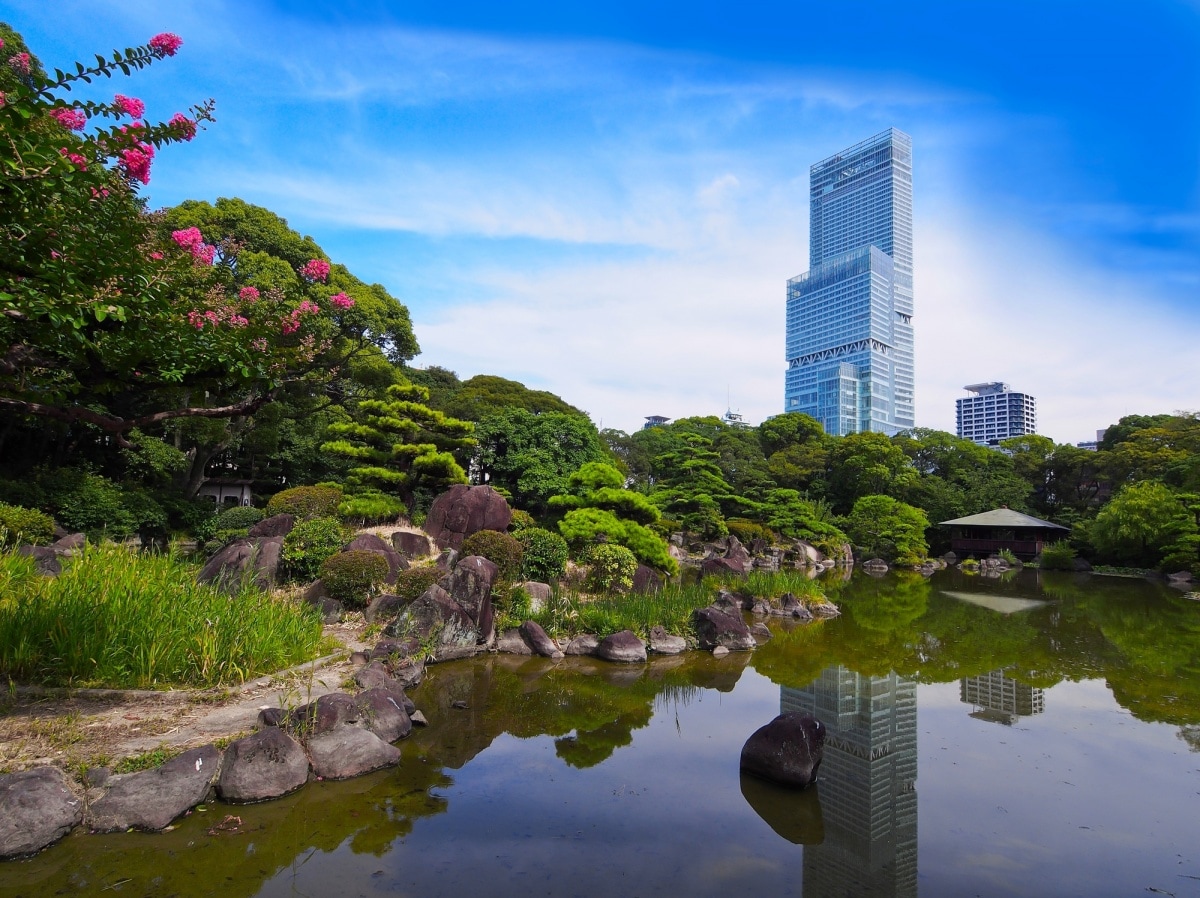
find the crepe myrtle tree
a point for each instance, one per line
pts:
(109, 318)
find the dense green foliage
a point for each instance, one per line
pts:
(116, 619)
(307, 546)
(411, 583)
(502, 549)
(612, 569)
(545, 554)
(352, 577)
(24, 526)
(306, 502)
(1058, 556)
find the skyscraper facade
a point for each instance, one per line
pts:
(849, 334)
(995, 413)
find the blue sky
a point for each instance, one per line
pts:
(606, 202)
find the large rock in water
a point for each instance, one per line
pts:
(348, 752)
(714, 627)
(788, 750)
(151, 799)
(463, 510)
(623, 646)
(37, 808)
(255, 557)
(266, 765)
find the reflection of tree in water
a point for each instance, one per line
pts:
(587, 748)
(1190, 735)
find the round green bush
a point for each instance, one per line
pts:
(613, 568)
(521, 520)
(308, 545)
(748, 531)
(545, 555)
(19, 526)
(239, 517)
(306, 502)
(501, 549)
(411, 583)
(1059, 556)
(352, 577)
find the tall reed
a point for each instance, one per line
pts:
(117, 619)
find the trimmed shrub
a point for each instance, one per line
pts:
(613, 568)
(308, 545)
(24, 525)
(545, 554)
(500, 548)
(88, 503)
(521, 520)
(1058, 556)
(352, 577)
(748, 531)
(240, 517)
(306, 502)
(411, 583)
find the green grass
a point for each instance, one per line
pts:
(569, 615)
(122, 620)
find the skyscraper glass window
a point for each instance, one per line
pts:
(849, 335)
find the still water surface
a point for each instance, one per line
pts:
(1038, 735)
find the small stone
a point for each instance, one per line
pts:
(720, 652)
(418, 719)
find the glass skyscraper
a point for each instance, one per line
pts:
(849, 331)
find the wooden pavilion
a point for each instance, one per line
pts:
(981, 535)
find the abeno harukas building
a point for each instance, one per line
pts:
(849, 331)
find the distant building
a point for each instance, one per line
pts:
(654, 421)
(995, 413)
(1093, 445)
(849, 333)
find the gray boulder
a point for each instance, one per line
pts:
(151, 799)
(463, 510)
(623, 646)
(384, 711)
(275, 525)
(647, 579)
(791, 607)
(510, 642)
(372, 674)
(715, 628)
(788, 750)
(582, 645)
(384, 607)
(437, 617)
(69, 543)
(369, 542)
(411, 546)
(257, 558)
(471, 586)
(720, 567)
(539, 594)
(348, 752)
(539, 641)
(45, 559)
(329, 712)
(265, 765)
(37, 808)
(663, 643)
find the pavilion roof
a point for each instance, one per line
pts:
(1001, 517)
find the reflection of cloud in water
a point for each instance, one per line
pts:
(1002, 604)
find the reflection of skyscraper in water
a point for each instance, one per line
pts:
(867, 784)
(1000, 699)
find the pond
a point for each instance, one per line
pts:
(1033, 735)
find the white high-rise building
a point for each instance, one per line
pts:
(995, 413)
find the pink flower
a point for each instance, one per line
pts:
(204, 253)
(196, 320)
(188, 237)
(74, 158)
(20, 62)
(135, 162)
(238, 321)
(165, 44)
(131, 105)
(260, 344)
(307, 307)
(315, 270)
(156, 256)
(248, 294)
(341, 301)
(184, 125)
(71, 119)
(99, 194)
(289, 326)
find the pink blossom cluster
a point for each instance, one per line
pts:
(224, 314)
(315, 270)
(74, 158)
(20, 62)
(184, 125)
(291, 324)
(71, 119)
(238, 321)
(193, 241)
(341, 301)
(135, 162)
(130, 105)
(248, 294)
(259, 343)
(199, 319)
(165, 44)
